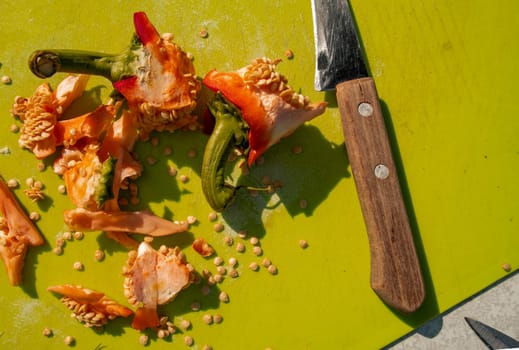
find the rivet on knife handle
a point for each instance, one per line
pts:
(395, 270)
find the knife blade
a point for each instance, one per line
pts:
(493, 338)
(396, 276)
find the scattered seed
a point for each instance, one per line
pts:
(185, 324)
(78, 266)
(221, 270)
(167, 151)
(257, 250)
(212, 216)
(242, 234)
(47, 332)
(12, 183)
(297, 149)
(14, 128)
(191, 219)
(67, 235)
(6, 80)
(172, 171)
(507, 267)
(207, 347)
(233, 273)
(218, 261)
(192, 153)
(183, 178)
(223, 297)
(254, 266)
(29, 181)
(38, 185)
(151, 160)
(303, 243)
(266, 262)
(57, 250)
(254, 240)
(154, 141)
(60, 242)
(289, 54)
(218, 227)
(203, 33)
(240, 247)
(62, 189)
(188, 340)
(99, 255)
(195, 306)
(144, 339)
(232, 261)
(78, 235)
(303, 203)
(217, 318)
(34, 216)
(227, 240)
(40, 166)
(208, 318)
(205, 289)
(69, 340)
(272, 269)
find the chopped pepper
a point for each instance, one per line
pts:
(254, 108)
(88, 306)
(153, 278)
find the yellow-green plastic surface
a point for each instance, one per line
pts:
(447, 73)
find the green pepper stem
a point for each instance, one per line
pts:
(230, 131)
(45, 63)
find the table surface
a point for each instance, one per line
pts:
(496, 306)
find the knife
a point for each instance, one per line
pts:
(493, 338)
(396, 276)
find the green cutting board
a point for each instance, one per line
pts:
(447, 75)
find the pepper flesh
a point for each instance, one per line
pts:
(153, 278)
(17, 233)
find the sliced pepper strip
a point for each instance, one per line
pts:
(142, 222)
(17, 233)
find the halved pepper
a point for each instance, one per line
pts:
(154, 75)
(254, 108)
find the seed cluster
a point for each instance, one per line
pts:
(262, 74)
(37, 114)
(34, 190)
(85, 314)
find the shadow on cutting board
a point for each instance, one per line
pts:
(429, 308)
(306, 165)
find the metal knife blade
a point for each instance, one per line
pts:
(493, 338)
(396, 276)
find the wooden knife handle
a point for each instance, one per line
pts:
(395, 270)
